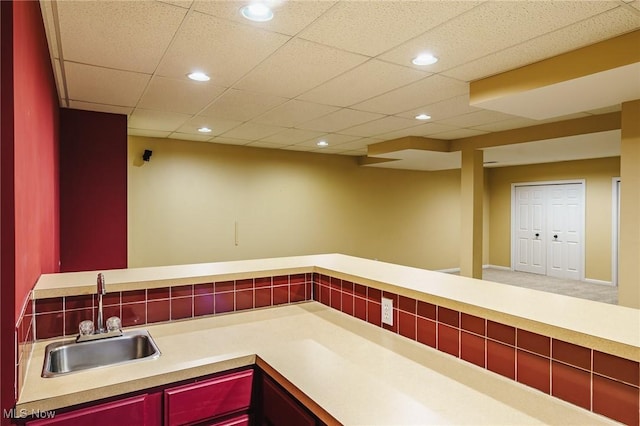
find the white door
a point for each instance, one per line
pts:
(548, 229)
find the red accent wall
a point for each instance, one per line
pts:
(29, 172)
(93, 190)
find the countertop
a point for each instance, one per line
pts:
(360, 374)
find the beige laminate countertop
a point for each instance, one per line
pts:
(360, 374)
(609, 328)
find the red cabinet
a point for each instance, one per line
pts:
(278, 408)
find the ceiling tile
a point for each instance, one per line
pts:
(363, 82)
(458, 134)
(190, 137)
(147, 133)
(297, 67)
(103, 85)
(380, 126)
(444, 109)
(182, 95)
(477, 118)
(230, 141)
(263, 144)
(363, 26)
(180, 3)
(511, 123)
(294, 112)
(123, 35)
(358, 144)
(589, 31)
(427, 129)
(292, 136)
(358, 153)
(339, 120)
(334, 139)
(252, 131)
(156, 120)
(222, 49)
(423, 92)
(299, 148)
(240, 105)
(112, 109)
(494, 25)
(217, 126)
(289, 17)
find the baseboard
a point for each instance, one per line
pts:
(448, 271)
(499, 268)
(599, 282)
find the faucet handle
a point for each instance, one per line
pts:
(114, 324)
(86, 328)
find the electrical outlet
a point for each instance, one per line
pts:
(387, 311)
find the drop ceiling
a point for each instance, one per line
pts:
(338, 71)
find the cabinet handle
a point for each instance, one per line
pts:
(555, 236)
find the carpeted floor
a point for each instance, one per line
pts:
(584, 290)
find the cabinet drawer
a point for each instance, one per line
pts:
(242, 420)
(207, 399)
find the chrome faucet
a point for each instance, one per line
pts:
(113, 326)
(102, 290)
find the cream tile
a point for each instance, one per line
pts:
(292, 136)
(241, 105)
(252, 131)
(339, 120)
(131, 36)
(229, 141)
(476, 118)
(427, 129)
(216, 125)
(179, 95)
(363, 82)
(302, 148)
(293, 113)
(363, 27)
(156, 120)
(334, 139)
(147, 133)
(459, 134)
(444, 109)
(104, 86)
(190, 137)
(180, 3)
(380, 126)
(297, 67)
(112, 109)
(223, 49)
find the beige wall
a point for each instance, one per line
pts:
(598, 176)
(183, 205)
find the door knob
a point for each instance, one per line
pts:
(537, 234)
(555, 236)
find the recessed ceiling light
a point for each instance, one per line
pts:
(204, 130)
(198, 76)
(257, 12)
(424, 59)
(322, 143)
(422, 117)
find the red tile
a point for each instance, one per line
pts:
(262, 282)
(617, 368)
(134, 314)
(473, 324)
(347, 287)
(407, 324)
(472, 348)
(49, 325)
(501, 359)
(449, 340)
(263, 297)
(360, 308)
(392, 296)
(297, 279)
(426, 310)
(282, 280)
(336, 299)
(297, 292)
(223, 286)
(347, 303)
(426, 332)
(616, 400)
(74, 317)
(503, 333)
(534, 342)
(181, 307)
(392, 328)
(449, 316)
(534, 370)
(374, 295)
(203, 304)
(224, 302)
(374, 313)
(182, 291)
(112, 311)
(158, 293)
(158, 310)
(324, 280)
(79, 302)
(407, 304)
(360, 290)
(325, 295)
(336, 283)
(307, 291)
(112, 298)
(205, 288)
(281, 295)
(571, 384)
(316, 292)
(134, 296)
(53, 304)
(244, 284)
(244, 300)
(578, 356)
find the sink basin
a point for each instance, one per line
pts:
(69, 357)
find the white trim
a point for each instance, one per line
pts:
(599, 282)
(448, 271)
(583, 187)
(615, 214)
(497, 267)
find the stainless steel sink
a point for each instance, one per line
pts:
(69, 357)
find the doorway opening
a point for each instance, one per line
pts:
(615, 230)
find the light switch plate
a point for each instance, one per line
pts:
(387, 311)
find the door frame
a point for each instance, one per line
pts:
(615, 230)
(582, 226)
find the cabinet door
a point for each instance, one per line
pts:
(242, 420)
(208, 399)
(280, 409)
(142, 410)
